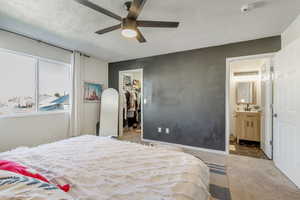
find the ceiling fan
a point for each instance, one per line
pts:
(129, 24)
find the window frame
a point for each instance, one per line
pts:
(37, 112)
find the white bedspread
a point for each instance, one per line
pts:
(107, 169)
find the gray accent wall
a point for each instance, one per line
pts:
(185, 91)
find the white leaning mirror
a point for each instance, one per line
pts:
(109, 113)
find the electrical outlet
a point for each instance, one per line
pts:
(167, 131)
(159, 129)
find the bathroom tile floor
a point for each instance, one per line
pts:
(247, 148)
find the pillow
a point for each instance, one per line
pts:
(19, 169)
(15, 186)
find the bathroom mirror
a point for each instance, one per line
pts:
(245, 93)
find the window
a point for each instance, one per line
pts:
(29, 84)
(53, 86)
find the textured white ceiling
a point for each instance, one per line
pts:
(203, 23)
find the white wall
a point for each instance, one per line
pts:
(95, 71)
(292, 33)
(32, 130)
(40, 128)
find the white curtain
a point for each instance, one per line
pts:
(76, 95)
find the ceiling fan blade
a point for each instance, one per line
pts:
(136, 8)
(140, 36)
(99, 9)
(158, 24)
(112, 28)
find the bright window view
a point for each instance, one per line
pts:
(18, 85)
(53, 86)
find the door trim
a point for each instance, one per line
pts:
(227, 92)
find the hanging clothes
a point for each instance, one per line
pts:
(131, 105)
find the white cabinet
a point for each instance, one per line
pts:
(248, 126)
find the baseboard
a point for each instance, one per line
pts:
(187, 147)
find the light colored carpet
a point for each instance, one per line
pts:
(241, 178)
(251, 178)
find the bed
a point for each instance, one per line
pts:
(101, 168)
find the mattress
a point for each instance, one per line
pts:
(100, 168)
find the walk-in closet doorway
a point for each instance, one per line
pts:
(131, 104)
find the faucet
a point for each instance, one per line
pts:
(247, 107)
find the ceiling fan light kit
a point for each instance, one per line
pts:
(129, 33)
(129, 25)
(129, 28)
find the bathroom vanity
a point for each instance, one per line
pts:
(248, 125)
(247, 119)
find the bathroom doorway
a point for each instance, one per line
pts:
(249, 106)
(131, 105)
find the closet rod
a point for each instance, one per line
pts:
(41, 41)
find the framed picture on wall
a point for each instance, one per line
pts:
(92, 92)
